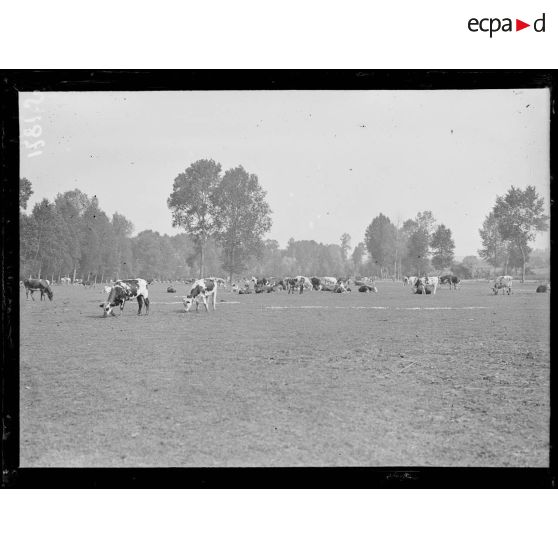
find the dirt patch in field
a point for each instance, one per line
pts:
(387, 379)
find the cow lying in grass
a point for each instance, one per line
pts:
(124, 290)
(543, 288)
(426, 285)
(201, 289)
(367, 289)
(43, 285)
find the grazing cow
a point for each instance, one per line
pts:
(503, 282)
(201, 289)
(451, 280)
(124, 290)
(405, 280)
(43, 285)
(367, 289)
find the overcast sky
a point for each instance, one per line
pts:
(330, 161)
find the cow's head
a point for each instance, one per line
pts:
(115, 297)
(187, 301)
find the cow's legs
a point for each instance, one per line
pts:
(140, 304)
(31, 293)
(146, 306)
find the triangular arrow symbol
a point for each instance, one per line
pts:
(519, 25)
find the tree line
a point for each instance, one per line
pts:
(224, 217)
(513, 223)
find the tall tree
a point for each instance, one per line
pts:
(72, 205)
(472, 264)
(418, 250)
(443, 248)
(241, 217)
(123, 229)
(357, 256)
(25, 192)
(494, 249)
(191, 202)
(380, 240)
(345, 245)
(425, 220)
(519, 214)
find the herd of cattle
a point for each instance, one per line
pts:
(203, 290)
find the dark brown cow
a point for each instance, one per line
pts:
(42, 285)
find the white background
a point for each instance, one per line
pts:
(278, 524)
(272, 34)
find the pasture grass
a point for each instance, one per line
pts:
(387, 379)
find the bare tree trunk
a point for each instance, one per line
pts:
(202, 259)
(523, 270)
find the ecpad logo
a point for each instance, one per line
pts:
(493, 25)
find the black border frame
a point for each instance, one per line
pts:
(13, 476)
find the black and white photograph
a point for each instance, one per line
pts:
(284, 278)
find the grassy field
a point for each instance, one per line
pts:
(387, 379)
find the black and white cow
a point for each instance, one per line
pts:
(341, 288)
(201, 290)
(426, 285)
(123, 290)
(503, 282)
(43, 285)
(367, 289)
(292, 283)
(451, 280)
(316, 283)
